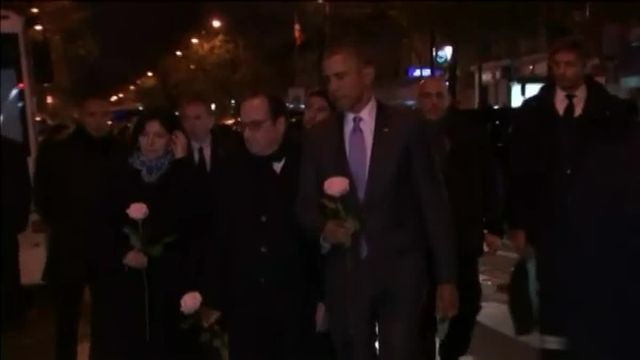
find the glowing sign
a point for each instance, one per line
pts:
(418, 72)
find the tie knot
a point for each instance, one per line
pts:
(357, 120)
(570, 97)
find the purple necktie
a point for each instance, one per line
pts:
(358, 166)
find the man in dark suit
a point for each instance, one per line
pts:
(382, 277)
(575, 198)
(259, 274)
(473, 184)
(209, 145)
(71, 180)
(16, 204)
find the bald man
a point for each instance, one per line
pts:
(471, 176)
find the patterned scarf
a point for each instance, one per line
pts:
(150, 169)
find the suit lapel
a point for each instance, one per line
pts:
(379, 148)
(190, 155)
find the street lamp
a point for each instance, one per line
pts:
(216, 23)
(132, 87)
(38, 27)
(178, 53)
(121, 95)
(194, 40)
(149, 74)
(34, 10)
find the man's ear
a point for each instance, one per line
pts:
(369, 73)
(281, 124)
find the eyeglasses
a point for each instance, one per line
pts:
(252, 125)
(428, 95)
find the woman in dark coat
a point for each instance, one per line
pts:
(159, 175)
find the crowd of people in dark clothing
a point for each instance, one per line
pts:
(250, 249)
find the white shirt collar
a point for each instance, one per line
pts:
(205, 145)
(277, 165)
(560, 99)
(580, 94)
(368, 113)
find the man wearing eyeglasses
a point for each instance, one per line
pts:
(260, 278)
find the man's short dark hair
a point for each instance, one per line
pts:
(572, 44)
(351, 47)
(195, 99)
(82, 99)
(277, 106)
(322, 93)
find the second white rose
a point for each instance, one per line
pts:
(336, 186)
(190, 302)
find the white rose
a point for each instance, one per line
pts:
(190, 302)
(138, 211)
(336, 186)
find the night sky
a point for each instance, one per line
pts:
(133, 37)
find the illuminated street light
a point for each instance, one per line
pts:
(194, 40)
(121, 95)
(149, 74)
(178, 53)
(216, 23)
(132, 87)
(34, 10)
(49, 99)
(38, 27)
(213, 106)
(114, 98)
(192, 67)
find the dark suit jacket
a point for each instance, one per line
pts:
(225, 144)
(472, 177)
(405, 209)
(169, 200)
(16, 188)
(258, 259)
(577, 194)
(71, 195)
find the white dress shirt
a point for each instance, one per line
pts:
(561, 101)
(277, 166)
(368, 126)
(206, 148)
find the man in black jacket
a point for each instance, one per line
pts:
(71, 195)
(471, 175)
(575, 198)
(259, 275)
(209, 146)
(377, 275)
(16, 202)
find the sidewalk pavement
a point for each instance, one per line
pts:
(493, 339)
